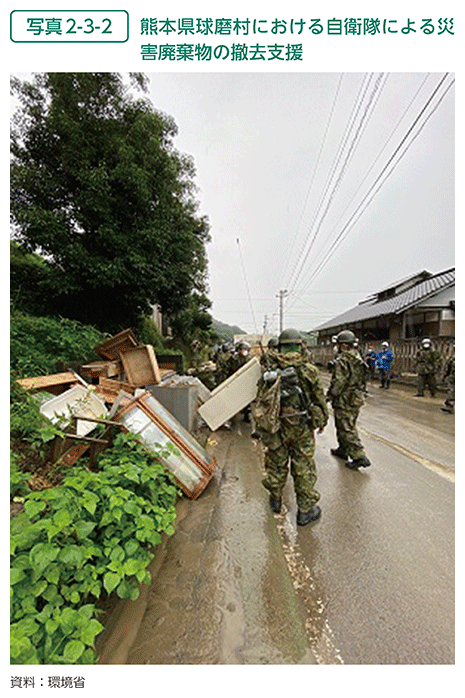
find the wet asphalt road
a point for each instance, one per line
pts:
(379, 565)
(372, 582)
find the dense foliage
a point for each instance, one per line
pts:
(77, 543)
(100, 193)
(39, 344)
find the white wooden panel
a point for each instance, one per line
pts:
(76, 401)
(231, 396)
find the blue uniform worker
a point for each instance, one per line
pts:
(384, 360)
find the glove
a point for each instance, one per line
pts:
(270, 376)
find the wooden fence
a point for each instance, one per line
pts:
(404, 351)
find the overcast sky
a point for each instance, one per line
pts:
(286, 163)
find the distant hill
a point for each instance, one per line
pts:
(225, 331)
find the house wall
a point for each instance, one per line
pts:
(438, 322)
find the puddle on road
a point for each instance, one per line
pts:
(318, 632)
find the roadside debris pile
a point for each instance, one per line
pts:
(115, 393)
(129, 389)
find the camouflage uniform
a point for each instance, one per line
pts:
(291, 438)
(449, 377)
(428, 364)
(207, 376)
(237, 361)
(346, 394)
(224, 367)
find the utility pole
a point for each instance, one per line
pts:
(281, 295)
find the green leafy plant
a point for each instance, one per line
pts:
(27, 423)
(38, 344)
(18, 479)
(79, 542)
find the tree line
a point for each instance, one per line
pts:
(104, 216)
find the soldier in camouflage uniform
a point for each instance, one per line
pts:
(346, 395)
(273, 345)
(224, 363)
(428, 364)
(449, 378)
(290, 405)
(266, 355)
(240, 356)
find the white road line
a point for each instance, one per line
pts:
(317, 630)
(438, 468)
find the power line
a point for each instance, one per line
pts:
(382, 149)
(323, 142)
(378, 156)
(331, 173)
(356, 137)
(359, 211)
(247, 285)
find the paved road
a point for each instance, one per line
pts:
(372, 582)
(376, 573)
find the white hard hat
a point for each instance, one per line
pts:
(426, 341)
(384, 344)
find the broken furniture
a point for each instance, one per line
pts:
(55, 383)
(108, 369)
(181, 395)
(77, 400)
(232, 395)
(144, 416)
(79, 407)
(108, 389)
(68, 448)
(140, 365)
(113, 346)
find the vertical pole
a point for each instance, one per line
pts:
(281, 296)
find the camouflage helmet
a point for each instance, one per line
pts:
(290, 336)
(345, 337)
(273, 342)
(242, 345)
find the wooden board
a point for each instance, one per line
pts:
(108, 369)
(108, 389)
(140, 366)
(115, 386)
(111, 347)
(231, 396)
(54, 383)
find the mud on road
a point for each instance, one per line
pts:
(221, 592)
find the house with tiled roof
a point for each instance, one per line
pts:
(417, 306)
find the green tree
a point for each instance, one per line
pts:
(29, 281)
(101, 194)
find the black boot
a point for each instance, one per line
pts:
(357, 463)
(304, 517)
(275, 504)
(339, 453)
